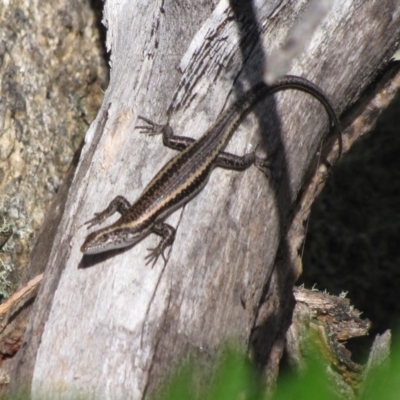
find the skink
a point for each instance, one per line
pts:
(185, 175)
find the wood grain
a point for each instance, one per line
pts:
(113, 327)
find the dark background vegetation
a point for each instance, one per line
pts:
(353, 241)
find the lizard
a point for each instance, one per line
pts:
(186, 174)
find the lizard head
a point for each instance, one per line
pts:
(109, 239)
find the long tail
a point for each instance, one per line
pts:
(260, 91)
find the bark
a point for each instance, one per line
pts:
(112, 327)
(327, 322)
(14, 316)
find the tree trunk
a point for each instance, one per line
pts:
(112, 327)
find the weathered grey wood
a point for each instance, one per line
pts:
(114, 328)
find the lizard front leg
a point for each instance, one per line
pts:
(167, 233)
(119, 204)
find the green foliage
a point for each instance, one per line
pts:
(384, 382)
(312, 384)
(234, 378)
